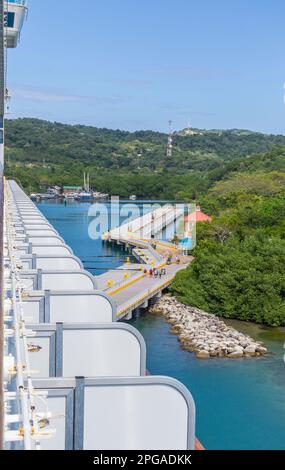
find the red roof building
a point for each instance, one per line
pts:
(198, 216)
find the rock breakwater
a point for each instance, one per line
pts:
(205, 334)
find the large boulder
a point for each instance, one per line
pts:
(203, 354)
(236, 354)
(250, 350)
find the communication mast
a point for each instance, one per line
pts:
(170, 141)
(189, 126)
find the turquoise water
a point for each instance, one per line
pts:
(71, 222)
(240, 403)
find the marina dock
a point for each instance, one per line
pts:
(132, 285)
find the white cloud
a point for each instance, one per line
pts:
(57, 96)
(27, 93)
(194, 72)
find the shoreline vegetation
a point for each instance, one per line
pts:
(205, 334)
(238, 267)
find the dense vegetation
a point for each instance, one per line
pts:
(238, 270)
(237, 176)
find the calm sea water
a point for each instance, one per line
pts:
(240, 403)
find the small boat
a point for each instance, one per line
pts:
(133, 197)
(70, 196)
(41, 196)
(47, 196)
(98, 195)
(34, 196)
(84, 196)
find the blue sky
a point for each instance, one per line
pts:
(135, 64)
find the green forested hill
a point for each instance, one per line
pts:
(39, 153)
(32, 140)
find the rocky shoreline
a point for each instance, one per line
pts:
(205, 334)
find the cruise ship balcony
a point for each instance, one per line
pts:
(14, 17)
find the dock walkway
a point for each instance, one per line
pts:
(133, 287)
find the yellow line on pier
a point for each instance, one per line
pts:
(161, 286)
(133, 281)
(119, 289)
